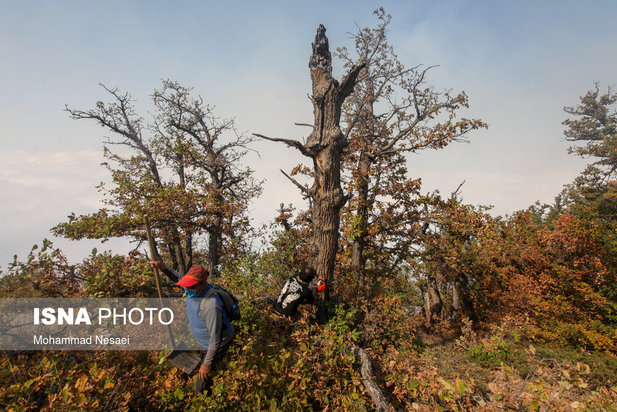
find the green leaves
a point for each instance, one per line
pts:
(182, 169)
(595, 124)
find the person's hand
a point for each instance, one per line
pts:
(204, 372)
(157, 263)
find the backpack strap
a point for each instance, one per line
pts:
(209, 292)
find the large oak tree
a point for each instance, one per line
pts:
(393, 111)
(182, 169)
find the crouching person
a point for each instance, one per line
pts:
(295, 292)
(207, 320)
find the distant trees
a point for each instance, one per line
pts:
(592, 197)
(593, 129)
(456, 251)
(594, 124)
(46, 272)
(182, 169)
(551, 267)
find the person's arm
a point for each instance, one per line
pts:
(172, 274)
(279, 299)
(308, 295)
(212, 314)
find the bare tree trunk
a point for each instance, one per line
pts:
(325, 146)
(215, 230)
(460, 298)
(188, 247)
(358, 259)
(379, 399)
(172, 255)
(214, 246)
(455, 311)
(432, 299)
(327, 143)
(365, 160)
(179, 255)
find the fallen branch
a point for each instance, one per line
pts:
(380, 401)
(366, 368)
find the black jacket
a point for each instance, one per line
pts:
(294, 293)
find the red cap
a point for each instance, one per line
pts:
(195, 275)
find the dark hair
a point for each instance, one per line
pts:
(307, 274)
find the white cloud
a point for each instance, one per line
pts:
(49, 170)
(41, 189)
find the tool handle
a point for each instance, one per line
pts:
(154, 254)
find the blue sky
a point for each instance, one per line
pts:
(520, 62)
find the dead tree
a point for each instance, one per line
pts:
(324, 146)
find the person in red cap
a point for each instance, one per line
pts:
(207, 319)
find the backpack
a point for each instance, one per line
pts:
(229, 301)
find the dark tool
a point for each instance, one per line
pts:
(179, 356)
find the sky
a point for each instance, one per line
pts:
(519, 62)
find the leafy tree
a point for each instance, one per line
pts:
(459, 248)
(287, 248)
(46, 272)
(181, 169)
(551, 277)
(592, 197)
(595, 125)
(392, 112)
(552, 264)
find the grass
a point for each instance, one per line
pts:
(504, 371)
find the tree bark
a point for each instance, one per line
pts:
(379, 399)
(358, 258)
(455, 311)
(460, 298)
(179, 255)
(326, 144)
(214, 246)
(432, 300)
(367, 121)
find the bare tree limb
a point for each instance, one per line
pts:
(454, 194)
(348, 83)
(291, 143)
(308, 192)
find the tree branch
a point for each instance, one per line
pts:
(380, 401)
(291, 143)
(308, 192)
(454, 194)
(348, 83)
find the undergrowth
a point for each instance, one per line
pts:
(275, 364)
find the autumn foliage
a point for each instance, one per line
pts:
(456, 309)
